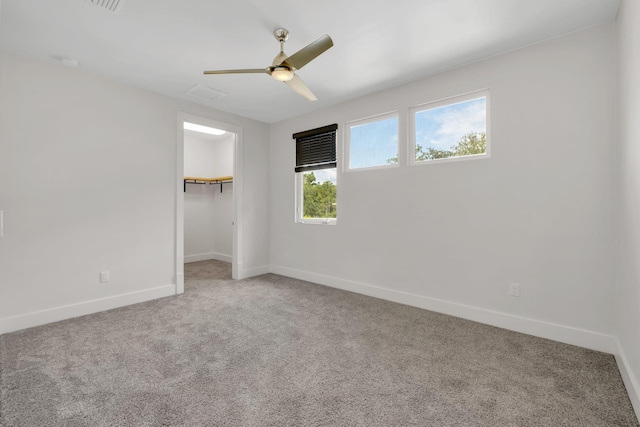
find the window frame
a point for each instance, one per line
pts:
(299, 201)
(299, 184)
(359, 122)
(483, 93)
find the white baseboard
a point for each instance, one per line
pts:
(207, 256)
(628, 376)
(566, 334)
(16, 323)
(244, 273)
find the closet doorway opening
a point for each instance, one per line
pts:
(208, 219)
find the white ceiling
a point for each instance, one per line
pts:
(164, 45)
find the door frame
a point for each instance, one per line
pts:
(236, 252)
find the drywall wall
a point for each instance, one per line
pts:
(208, 212)
(627, 254)
(88, 184)
(453, 236)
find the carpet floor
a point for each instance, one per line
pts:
(275, 351)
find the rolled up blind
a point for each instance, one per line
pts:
(316, 148)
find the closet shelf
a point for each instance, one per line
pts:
(199, 180)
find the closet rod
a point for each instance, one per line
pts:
(194, 180)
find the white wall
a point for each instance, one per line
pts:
(627, 254)
(452, 236)
(223, 158)
(88, 183)
(208, 213)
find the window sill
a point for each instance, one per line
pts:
(317, 221)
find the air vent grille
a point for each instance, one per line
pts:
(204, 92)
(113, 6)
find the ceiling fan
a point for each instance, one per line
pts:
(283, 67)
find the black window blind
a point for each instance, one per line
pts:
(316, 148)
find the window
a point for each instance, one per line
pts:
(451, 129)
(316, 175)
(372, 142)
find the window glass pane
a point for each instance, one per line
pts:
(319, 193)
(373, 143)
(453, 130)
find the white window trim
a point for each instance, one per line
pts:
(298, 207)
(442, 103)
(347, 141)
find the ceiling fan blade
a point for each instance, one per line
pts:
(245, 71)
(300, 88)
(306, 54)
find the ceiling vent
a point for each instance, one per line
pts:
(204, 92)
(113, 6)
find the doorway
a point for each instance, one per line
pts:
(208, 184)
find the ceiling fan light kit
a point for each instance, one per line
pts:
(283, 67)
(282, 74)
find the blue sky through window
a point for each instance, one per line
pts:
(373, 143)
(324, 175)
(442, 127)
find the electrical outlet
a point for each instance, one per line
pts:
(104, 276)
(514, 290)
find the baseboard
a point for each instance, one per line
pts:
(244, 273)
(628, 376)
(207, 256)
(24, 321)
(566, 334)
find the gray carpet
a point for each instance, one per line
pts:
(274, 351)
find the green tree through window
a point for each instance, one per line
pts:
(319, 199)
(470, 143)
